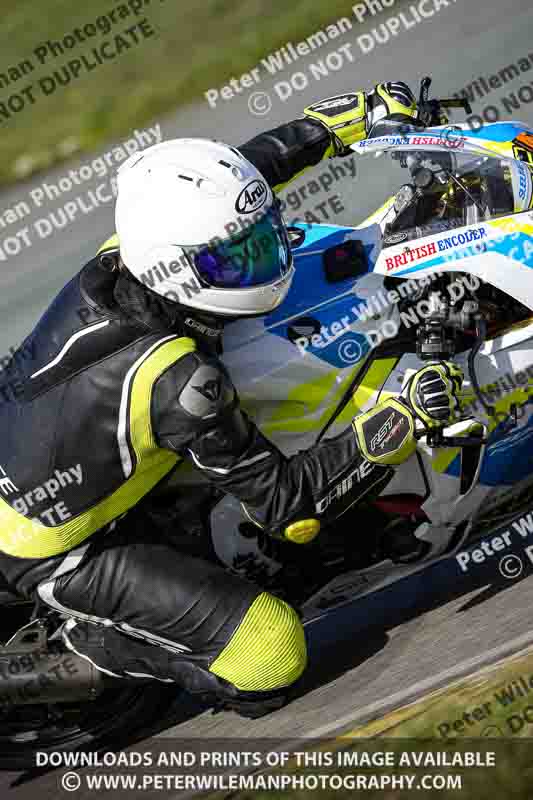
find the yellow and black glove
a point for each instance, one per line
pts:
(431, 394)
(392, 100)
(386, 433)
(345, 117)
(349, 117)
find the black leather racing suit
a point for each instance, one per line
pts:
(61, 411)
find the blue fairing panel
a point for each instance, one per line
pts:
(311, 295)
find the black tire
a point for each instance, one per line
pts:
(117, 717)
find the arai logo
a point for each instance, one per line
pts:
(252, 197)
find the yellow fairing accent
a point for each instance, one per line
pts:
(507, 225)
(444, 456)
(111, 244)
(303, 531)
(27, 538)
(267, 651)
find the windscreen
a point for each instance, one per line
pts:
(438, 190)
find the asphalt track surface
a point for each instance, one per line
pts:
(424, 631)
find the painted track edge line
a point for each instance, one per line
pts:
(412, 693)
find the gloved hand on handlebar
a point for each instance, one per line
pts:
(431, 394)
(349, 117)
(386, 433)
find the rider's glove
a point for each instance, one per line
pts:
(349, 117)
(392, 100)
(345, 117)
(386, 433)
(431, 394)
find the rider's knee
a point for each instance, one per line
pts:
(267, 650)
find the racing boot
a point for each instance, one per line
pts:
(405, 545)
(122, 656)
(251, 705)
(400, 544)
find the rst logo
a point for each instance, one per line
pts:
(336, 102)
(252, 197)
(383, 431)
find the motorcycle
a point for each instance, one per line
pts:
(439, 271)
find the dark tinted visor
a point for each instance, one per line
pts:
(258, 255)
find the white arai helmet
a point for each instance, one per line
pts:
(199, 225)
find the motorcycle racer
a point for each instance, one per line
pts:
(126, 387)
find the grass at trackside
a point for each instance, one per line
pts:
(423, 718)
(198, 46)
(419, 727)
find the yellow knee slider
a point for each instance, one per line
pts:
(267, 651)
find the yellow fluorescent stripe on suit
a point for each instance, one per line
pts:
(27, 538)
(111, 244)
(267, 651)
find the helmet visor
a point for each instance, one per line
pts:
(256, 256)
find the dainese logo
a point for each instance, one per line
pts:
(252, 197)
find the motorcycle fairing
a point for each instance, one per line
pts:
(291, 395)
(498, 251)
(289, 390)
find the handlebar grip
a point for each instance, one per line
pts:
(435, 438)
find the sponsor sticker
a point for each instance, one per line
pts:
(522, 184)
(525, 139)
(454, 143)
(410, 255)
(395, 238)
(459, 239)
